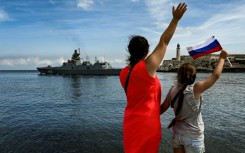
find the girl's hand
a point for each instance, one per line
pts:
(223, 54)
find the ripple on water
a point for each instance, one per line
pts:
(84, 114)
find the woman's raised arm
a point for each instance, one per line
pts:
(154, 59)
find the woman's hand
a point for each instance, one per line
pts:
(179, 11)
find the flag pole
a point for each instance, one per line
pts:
(229, 61)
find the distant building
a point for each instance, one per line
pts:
(204, 62)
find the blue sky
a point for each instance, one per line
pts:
(37, 33)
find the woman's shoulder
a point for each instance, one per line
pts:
(125, 68)
(141, 64)
(124, 71)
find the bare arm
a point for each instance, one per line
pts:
(203, 85)
(166, 103)
(154, 59)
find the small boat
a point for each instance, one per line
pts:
(76, 67)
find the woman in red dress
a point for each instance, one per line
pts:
(141, 125)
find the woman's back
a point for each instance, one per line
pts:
(142, 88)
(141, 123)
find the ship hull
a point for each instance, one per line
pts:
(45, 70)
(59, 71)
(87, 72)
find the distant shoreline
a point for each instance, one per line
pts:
(207, 70)
(16, 71)
(225, 70)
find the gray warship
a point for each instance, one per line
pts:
(78, 66)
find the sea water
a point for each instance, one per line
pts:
(84, 114)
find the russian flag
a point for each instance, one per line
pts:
(201, 49)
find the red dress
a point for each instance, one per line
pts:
(141, 125)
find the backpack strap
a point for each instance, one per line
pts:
(174, 100)
(178, 107)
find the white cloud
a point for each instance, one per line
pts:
(117, 63)
(158, 9)
(135, 0)
(228, 28)
(32, 61)
(3, 16)
(85, 4)
(6, 62)
(150, 30)
(227, 24)
(51, 1)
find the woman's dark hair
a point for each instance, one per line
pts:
(138, 47)
(186, 75)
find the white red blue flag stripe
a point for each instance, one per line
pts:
(201, 49)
